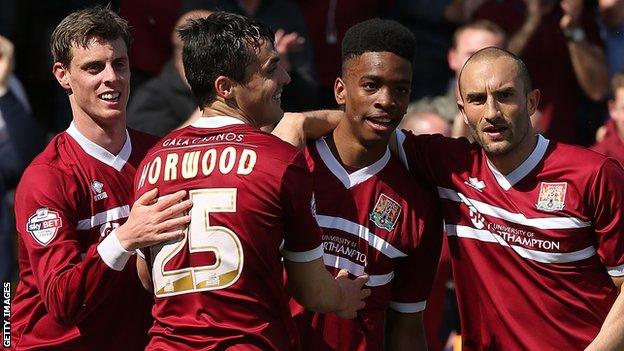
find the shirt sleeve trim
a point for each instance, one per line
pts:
(303, 256)
(616, 271)
(112, 253)
(408, 307)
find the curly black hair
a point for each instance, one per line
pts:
(378, 35)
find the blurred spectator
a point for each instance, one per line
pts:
(430, 21)
(612, 16)
(611, 140)
(560, 44)
(291, 42)
(20, 140)
(327, 21)
(152, 22)
(467, 40)
(425, 122)
(33, 23)
(165, 103)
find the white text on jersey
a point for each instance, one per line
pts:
(203, 162)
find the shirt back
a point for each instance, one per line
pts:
(222, 284)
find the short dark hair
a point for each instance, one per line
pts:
(493, 53)
(80, 27)
(378, 35)
(222, 44)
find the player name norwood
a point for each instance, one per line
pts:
(190, 164)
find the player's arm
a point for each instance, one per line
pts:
(297, 128)
(314, 287)
(144, 274)
(611, 335)
(309, 281)
(606, 197)
(589, 60)
(71, 284)
(405, 331)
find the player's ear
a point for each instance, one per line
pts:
(339, 91)
(460, 106)
(62, 75)
(533, 98)
(224, 87)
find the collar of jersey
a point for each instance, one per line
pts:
(216, 122)
(99, 153)
(355, 178)
(509, 180)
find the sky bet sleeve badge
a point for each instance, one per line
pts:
(552, 196)
(43, 225)
(386, 213)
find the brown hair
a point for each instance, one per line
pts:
(617, 82)
(80, 27)
(482, 24)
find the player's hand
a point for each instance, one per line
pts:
(6, 63)
(353, 294)
(153, 221)
(286, 43)
(572, 12)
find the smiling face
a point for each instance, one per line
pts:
(374, 90)
(259, 99)
(496, 105)
(97, 80)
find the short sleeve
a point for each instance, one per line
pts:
(414, 274)
(607, 202)
(302, 238)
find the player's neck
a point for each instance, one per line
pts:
(111, 136)
(508, 162)
(350, 151)
(220, 108)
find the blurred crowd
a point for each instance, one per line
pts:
(574, 51)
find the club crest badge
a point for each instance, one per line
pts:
(96, 189)
(386, 213)
(43, 225)
(552, 196)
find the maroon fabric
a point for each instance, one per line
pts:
(223, 284)
(67, 297)
(612, 145)
(152, 23)
(327, 57)
(400, 256)
(533, 252)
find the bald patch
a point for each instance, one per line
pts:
(491, 54)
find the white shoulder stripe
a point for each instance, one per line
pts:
(408, 307)
(535, 255)
(303, 256)
(103, 217)
(343, 263)
(616, 271)
(357, 269)
(518, 218)
(360, 231)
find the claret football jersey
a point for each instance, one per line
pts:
(222, 284)
(376, 220)
(534, 251)
(69, 200)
